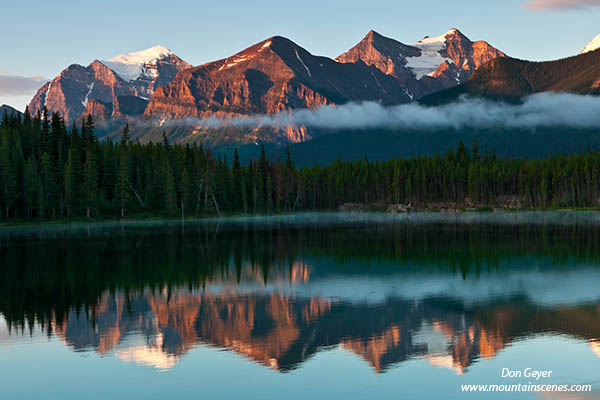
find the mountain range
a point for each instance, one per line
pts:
(511, 79)
(271, 76)
(154, 86)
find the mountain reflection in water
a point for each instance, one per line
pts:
(449, 293)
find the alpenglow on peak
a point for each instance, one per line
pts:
(594, 44)
(130, 66)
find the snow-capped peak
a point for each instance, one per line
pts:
(594, 44)
(132, 66)
(143, 57)
(437, 39)
(431, 58)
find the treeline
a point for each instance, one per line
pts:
(50, 172)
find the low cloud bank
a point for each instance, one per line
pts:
(14, 85)
(539, 110)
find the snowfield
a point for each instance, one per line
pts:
(430, 59)
(594, 44)
(131, 66)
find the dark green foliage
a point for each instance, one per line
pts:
(48, 172)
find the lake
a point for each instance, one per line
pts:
(349, 306)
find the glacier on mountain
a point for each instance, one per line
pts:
(133, 66)
(431, 58)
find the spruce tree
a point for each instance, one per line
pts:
(185, 190)
(170, 191)
(90, 183)
(8, 182)
(123, 184)
(125, 135)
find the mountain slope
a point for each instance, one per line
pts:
(148, 69)
(383, 144)
(387, 55)
(511, 79)
(5, 108)
(428, 66)
(271, 76)
(133, 75)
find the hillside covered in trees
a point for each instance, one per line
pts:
(51, 172)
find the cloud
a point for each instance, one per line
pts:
(538, 110)
(14, 85)
(542, 5)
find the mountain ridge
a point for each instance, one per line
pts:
(9, 110)
(430, 65)
(271, 76)
(69, 92)
(511, 79)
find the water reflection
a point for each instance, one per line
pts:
(451, 294)
(282, 332)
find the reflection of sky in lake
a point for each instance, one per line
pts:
(336, 373)
(576, 285)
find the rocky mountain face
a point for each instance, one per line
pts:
(425, 67)
(103, 87)
(148, 69)
(269, 77)
(120, 107)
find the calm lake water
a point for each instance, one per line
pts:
(305, 306)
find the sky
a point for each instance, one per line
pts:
(41, 38)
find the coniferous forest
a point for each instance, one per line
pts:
(52, 172)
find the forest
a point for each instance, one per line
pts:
(49, 171)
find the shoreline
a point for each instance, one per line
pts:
(353, 215)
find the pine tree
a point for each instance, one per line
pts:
(236, 173)
(170, 191)
(69, 185)
(125, 135)
(49, 185)
(263, 164)
(8, 182)
(73, 176)
(30, 187)
(123, 184)
(90, 183)
(185, 191)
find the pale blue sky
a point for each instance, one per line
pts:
(41, 38)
